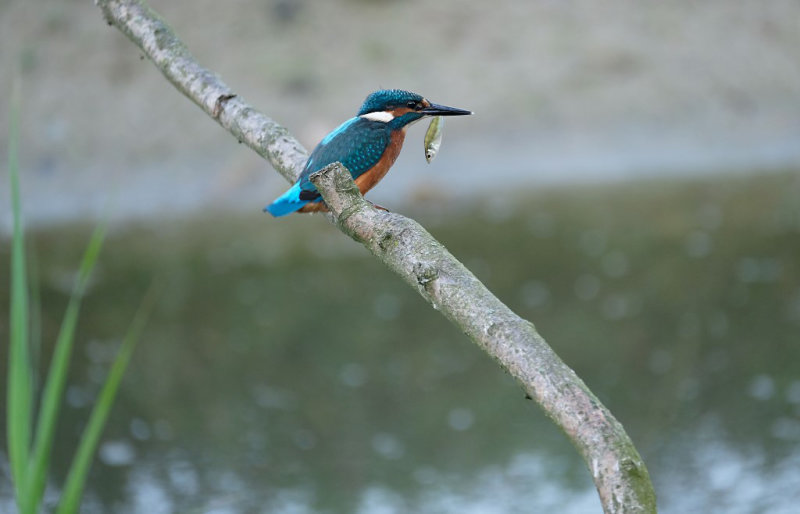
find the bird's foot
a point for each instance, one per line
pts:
(380, 208)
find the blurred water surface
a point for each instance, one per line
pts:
(286, 370)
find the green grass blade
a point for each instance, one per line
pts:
(57, 376)
(20, 392)
(73, 489)
(34, 313)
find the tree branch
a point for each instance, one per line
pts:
(618, 471)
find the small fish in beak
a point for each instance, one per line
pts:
(433, 138)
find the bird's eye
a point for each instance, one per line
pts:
(412, 104)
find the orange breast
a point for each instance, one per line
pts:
(367, 180)
(314, 207)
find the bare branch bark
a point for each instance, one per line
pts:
(618, 471)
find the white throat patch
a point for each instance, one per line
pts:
(383, 116)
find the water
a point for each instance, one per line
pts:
(285, 370)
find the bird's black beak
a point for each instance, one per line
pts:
(443, 110)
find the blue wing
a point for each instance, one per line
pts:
(357, 143)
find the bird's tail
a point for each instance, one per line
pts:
(287, 203)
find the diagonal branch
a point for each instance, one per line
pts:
(618, 471)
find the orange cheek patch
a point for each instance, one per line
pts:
(401, 111)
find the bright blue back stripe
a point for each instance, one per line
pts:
(338, 130)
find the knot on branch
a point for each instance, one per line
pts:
(339, 191)
(387, 240)
(220, 103)
(425, 273)
(427, 277)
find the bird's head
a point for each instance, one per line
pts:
(398, 108)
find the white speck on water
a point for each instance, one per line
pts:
(771, 270)
(460, 419)
(510, 488)
(752, 270)
(78, 397)
(388, 446)
(535, 293)
(117, 453)
(593, 242)
(97, 373)
(272, 397)
(290, 501)
(762, 387)
(660, 361)
(100, 352)
(698, 244)
(381, 500)
(140, 430)
(220, 509)
(149, 493)
(717, 360)
(747, 270)
(353, 374)
(163, 430)
(304, 439)
(786, 429)
(586, 287)
(793, 308)
(615, 264)
(689, 389)
(183, 477)
(793, 392)
(615, 306)
(689, 325)
(425, 475)
(717, 324)
(256, 440)
(725, 474)
(230, 482)
(248, 292)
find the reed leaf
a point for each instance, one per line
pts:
(57, 375)
(20, 387)
(73, 489)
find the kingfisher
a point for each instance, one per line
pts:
(367, 145)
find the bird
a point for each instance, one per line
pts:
(366, 144)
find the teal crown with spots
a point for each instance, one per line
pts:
(387, 99)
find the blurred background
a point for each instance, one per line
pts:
(629, 183)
